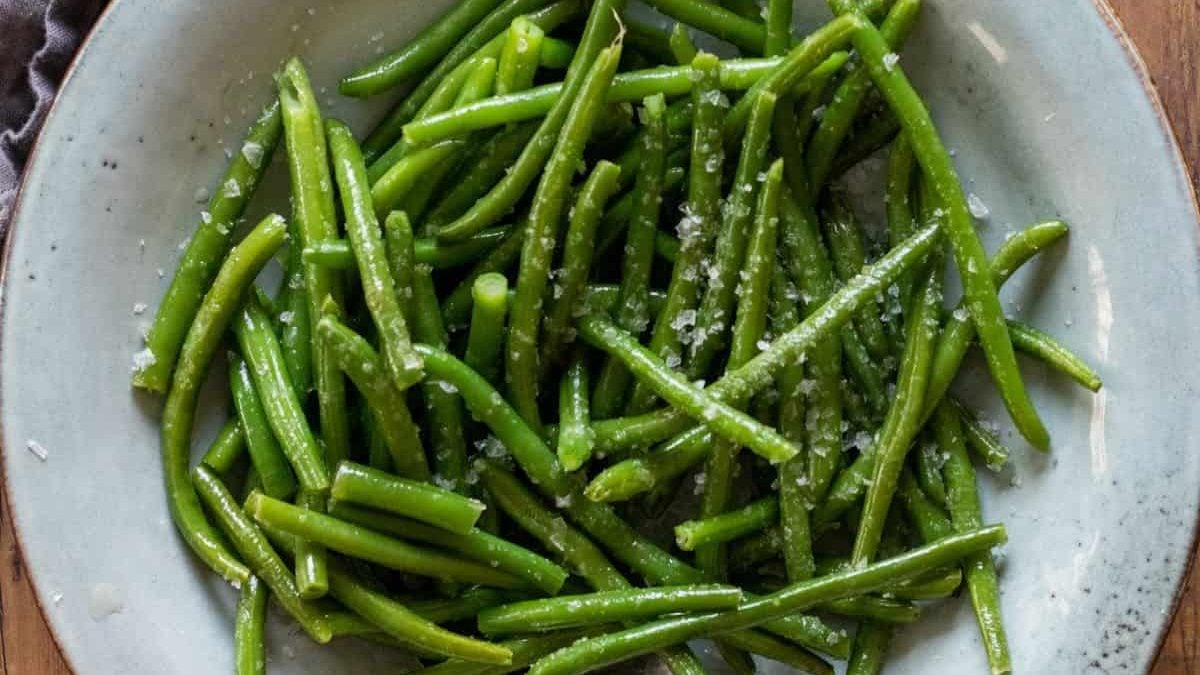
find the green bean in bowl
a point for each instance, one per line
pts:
(579, 261)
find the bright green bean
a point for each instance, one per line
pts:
(475, 544)
(979, 289)
(205, 252)
(436, 506)
(745, 34)
(727, 526)
(392, 187)
(683, 49)
(485, 339)
(496, 155)
(778, 36)
(227, 448)
(1034, 342)
(965, 514)
(613, 647)
(519, 59)
(456, 307)
(898, 201)
(359, 542)
(599, 31)
(311, 561)
(523, 348)
(388, 406)
(572, 611)
(254, 548)
(574, 445)
(295, 332)
(578, 251)
(249, 624)
(269, 460)
(260, 348)
(203, 338)
(443, 410)
(928, 465)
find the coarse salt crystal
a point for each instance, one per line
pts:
(139, 308)
(200, 195)
(143, 359)
(37, 449)
(253, 152)
(890, 60)
(977, 207)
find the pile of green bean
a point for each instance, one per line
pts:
(582, 271)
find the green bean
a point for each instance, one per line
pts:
(721, 418)
(295, 333)
(870, 648)
(965, 514)
(847, 101)
(545, 144)
(928, 462)
(727, 526)
(429, 251)
(800, 61)
(844, 235)
(613, 647)
(311, 562)
(284, 414)
(778, 36)
(633, 476)
(960, 327)
(572, 611)
(898, 202)
(802, 660)
(392, 187)
(485, 40)
(359, 542)
(748, 330)
(1034, 342)
(313, 213)
(979, 439)
(235, 276)
(522, 350)
(269, 460)
(496, 155)
(683, 49)
(649, 40)
(745, 34)
(697, 229)
(713, 319)
(485, 339)
(524, 651)
(632, 312)
(400, 248)
(456, 307)
(422, 52)
(206, 250)
(227, 448)
(249, 624)
(903, 422)
(577, 255)
(574, 445)
(979, 289)
(465, 606)
(939, 583)
(363, 485)
(254, 548)
(868, 137)
(732, 75)
(475, 544)
(519, 59)
(388, 406)
(442, 407)
(871, 608)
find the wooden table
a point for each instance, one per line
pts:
(1168, 34)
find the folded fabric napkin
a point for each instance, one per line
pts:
(38, 38)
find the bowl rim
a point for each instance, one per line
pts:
(1114, 23)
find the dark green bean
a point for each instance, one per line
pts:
(227, 448)
(363, 485)
(254, 548)
(489, 311)
(727, 526)
(965, 514)
(475, 544)
(845, 237)
(870, 648)
(683, 49)
(359, 542)
(872, 608)
(388, 406)
(465, 606)
(868, 137)
(260, 348)
(928, 463)
(599, 31)
(456, 307)
(313, 213)
(523, 348)
(311, 563)
(574, 445)
(577, 255)
(648, 39)
(745, 34)
(249, 624)
(929, 519)
(611, 648)
(295, 324)
(423, 51)
(519, 59)
(401, 253)
(269, 460)
(631, 312)
(980, 439)
(443, 410)
(697, 229)
(524, 651)
(979, 289)
(572, 611)
(234, 278)
(206, 250)
(496, 155)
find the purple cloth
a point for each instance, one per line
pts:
(38, 38)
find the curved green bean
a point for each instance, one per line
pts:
(203, 338)
(573, 611)
(1027, 339)
(206, 250)
(269, 460)
(227, 448)
(496, 155)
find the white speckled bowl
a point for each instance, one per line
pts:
(1050, 113)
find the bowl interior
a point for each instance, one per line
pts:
(1048, 117)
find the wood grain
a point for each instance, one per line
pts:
(1167, 33)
